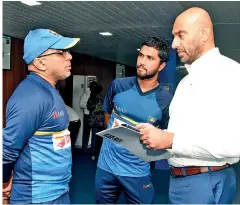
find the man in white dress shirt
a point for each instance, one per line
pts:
(203, 131)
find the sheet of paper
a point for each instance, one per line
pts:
(129, 138)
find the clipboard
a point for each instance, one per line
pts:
(128, 137)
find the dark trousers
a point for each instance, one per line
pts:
(108, 187)
(96, 141)
(86, 133)
(74, 127)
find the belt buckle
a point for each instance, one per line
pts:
(204, 169)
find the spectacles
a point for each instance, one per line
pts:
(61, 52)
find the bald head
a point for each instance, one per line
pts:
(195, 17)
(193, 34)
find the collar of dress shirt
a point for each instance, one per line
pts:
(200, 63)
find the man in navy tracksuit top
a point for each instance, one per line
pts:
(133, 100)
(36, 141)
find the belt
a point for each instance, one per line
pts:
(188, 171)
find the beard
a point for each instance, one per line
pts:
(192, 53)
(61, 76)
(147, 75)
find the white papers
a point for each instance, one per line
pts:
(129, 138)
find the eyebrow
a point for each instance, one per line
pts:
(149, 56)
(181, 31)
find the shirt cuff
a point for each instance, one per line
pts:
(180, 146)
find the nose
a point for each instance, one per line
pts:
(143, 60)
(175, 43)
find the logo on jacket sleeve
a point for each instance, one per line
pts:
(120, 109)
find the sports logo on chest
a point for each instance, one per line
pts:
(56, 115)
(120, 109)
(151, 120)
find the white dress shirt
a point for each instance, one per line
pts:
(205, 113)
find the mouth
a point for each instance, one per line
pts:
(180, 53)
(68, 68)
(141, 68)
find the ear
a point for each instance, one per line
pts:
(205, 33)
(162, 65)
(39, 64)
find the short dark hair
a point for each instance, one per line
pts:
(96, 90)
(92, 84)
(161, 44)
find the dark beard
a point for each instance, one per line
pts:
(149, 76)
(195, 52)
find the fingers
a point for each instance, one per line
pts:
(151, 146)
(143, 137)
(6, 195)
(6, 191)
(142, 126)
(8, 185)
(5, 201)
(146, 142)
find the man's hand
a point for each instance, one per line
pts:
(155, 138)
(6, 191)
(106, 119)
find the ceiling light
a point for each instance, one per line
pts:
(105, 33)
(31, 3)
(138, 49)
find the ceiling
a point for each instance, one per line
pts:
(129, 21)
